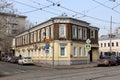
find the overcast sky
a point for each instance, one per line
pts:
(96, 12)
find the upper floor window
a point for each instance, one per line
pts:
(79, 32)
(108, 44)
(47, 33)
(92, 33)
(42, 34)
(35, 36)
(38, 36)
(52, 33)
(84, 33)
(62, 30)
(74, 31)
(31, 38)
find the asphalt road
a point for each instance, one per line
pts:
(7, 69)
(18, 72)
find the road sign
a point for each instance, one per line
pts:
(88, 47)
(88, 41)
(47, 46)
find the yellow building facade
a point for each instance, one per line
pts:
(59, 41)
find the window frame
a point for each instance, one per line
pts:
(62, 30)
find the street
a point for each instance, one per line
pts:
(17, 72)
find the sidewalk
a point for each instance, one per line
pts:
(80, 66)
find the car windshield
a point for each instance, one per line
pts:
(106, 57)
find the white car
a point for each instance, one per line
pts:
(25, 60)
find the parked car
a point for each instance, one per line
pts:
(25, 60)
(118, 59)
(108, 61)
(14, 59)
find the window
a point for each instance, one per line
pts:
(47, 33)
(75, 51)
(84, 33)
(62, 50)
(52, 32)
(62, 30)
(104, 44)
(79, 33)
(85, 52)
(80, 51)
(31, 37)
(74, 31)
(112, 44)
(92, 33)
(42, 34)
(38, 36)
(35, 36)
(116, 43)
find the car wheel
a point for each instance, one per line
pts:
(109, 64)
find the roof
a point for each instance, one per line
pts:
(61, 17)
(14, 15)
(107, 37)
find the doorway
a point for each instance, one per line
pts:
(90, 56)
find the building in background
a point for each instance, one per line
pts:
(10, 26)
(104, 44)
(59, 41)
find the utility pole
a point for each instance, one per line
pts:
(53, 42)
(110, 36)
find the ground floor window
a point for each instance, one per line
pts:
(62, 51)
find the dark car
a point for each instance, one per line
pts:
(118, 59)
(14, 59)
(108, 61)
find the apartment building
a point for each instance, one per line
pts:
(105, 42)
(59, 41)
(10, 26)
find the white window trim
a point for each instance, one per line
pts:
(84, 33)
(35, 37)
(51, 31)
(38, 35)
(62, 26)
(92, 36)
(60, 51)
(75, 51)
(74, 33)
(47, 33)
(80, 33)
(80, 51)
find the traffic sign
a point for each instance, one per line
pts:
(47, 46)
(88, 47)
(88, 41)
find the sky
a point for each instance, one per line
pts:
(96, 12)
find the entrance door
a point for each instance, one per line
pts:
(91, 57)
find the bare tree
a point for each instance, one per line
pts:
(6, 7)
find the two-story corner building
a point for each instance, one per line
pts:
(105, 42)
(59, 41)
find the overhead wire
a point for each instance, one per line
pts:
(59, 5)
(34, 8)
(106, 6)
